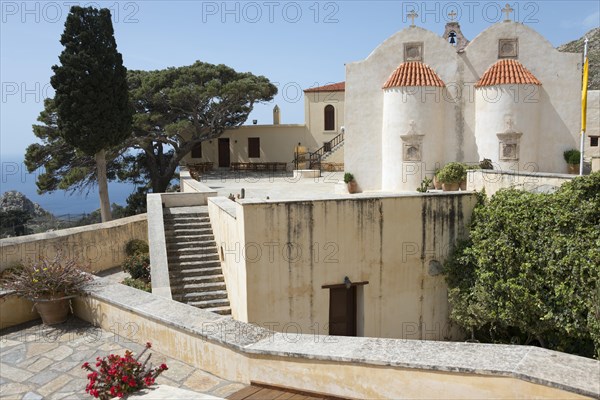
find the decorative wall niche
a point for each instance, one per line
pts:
(508, 48)
(509, 146)
(413, 51)
(412, 144)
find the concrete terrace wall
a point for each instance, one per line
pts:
(492, 181)
(102, 245)
(290, 249)
(343, 366)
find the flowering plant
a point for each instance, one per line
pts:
(117, 376)
(48, 278)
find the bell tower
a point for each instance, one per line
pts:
(453, 33)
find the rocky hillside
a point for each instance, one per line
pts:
(576, 46)
(17, 201)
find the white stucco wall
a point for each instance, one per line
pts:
(593, 123)
(494, 106)
(402, 106)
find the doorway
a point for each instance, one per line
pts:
(224, 152)
(342, 311)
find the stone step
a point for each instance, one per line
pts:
(206, 287)
(187, 231)
(204, 250)
(190, 238)
(201, 296)
(186, 224)
(188, 218)
(224, 310)
(192, 241)
(177, 278)
(195, 271)
(170, 215)
(194, 264)
(193, 257)
(209, 303)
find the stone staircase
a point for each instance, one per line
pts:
(327, 157)
(195, 272)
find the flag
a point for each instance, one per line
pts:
(586, 65)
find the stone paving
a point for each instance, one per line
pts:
(41, 362)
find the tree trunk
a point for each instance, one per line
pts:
(103, 186)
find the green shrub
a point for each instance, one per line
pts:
(136, 246)
(530, 271)
(572, 156)
(453, 172)
(138, 266)
(138, 284)
(348, 177)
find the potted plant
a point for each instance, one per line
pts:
(436, 182)
(572, 157)
(349, 180)
(49, 284)
(451, 176)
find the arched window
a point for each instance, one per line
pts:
(329, 118)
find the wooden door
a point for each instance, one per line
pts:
(342, 311)
(224, 152)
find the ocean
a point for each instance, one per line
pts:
(14, 176)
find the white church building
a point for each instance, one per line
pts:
(421, 100)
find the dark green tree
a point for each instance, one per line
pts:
(530, 270)
(92, 99)
(177, 108)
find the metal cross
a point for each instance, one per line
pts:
(412, 15)
(452, 16)
(507, 10)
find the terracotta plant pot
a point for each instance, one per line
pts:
(53, 311)
(573, 169)
(437, 184)
(352, 187)
(450, 187)
(463, 185)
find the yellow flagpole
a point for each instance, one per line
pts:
(584, 89)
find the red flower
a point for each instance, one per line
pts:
(148, 345)
(163, 367)
(85, 365)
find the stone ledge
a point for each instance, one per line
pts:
(164, 392)
(546, 367)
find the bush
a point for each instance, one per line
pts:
(572, 156)
(453, 172)
(348, 177)
(138, 266)
(136, 246)
(138, 284)
(530, 271)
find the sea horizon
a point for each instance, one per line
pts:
(14, 176)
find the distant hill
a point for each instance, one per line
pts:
(17, 201)
(576, 46)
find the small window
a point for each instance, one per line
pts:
(329, 118)
(254, 147)
(197, 151)
(594, 141)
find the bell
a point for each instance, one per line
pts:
(452, 40)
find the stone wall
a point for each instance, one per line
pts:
(492, 181)
(341, 366)
(102, 245)
(284, 252)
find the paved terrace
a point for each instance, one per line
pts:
(275, 185)
(41, 362)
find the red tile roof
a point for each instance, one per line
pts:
(413, 73)
(507, 72)
(334, 87)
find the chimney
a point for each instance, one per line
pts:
(276, 119)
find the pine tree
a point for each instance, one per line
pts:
(92, 99)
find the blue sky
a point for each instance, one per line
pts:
(295, 44)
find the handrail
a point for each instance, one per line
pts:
(314, 158)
